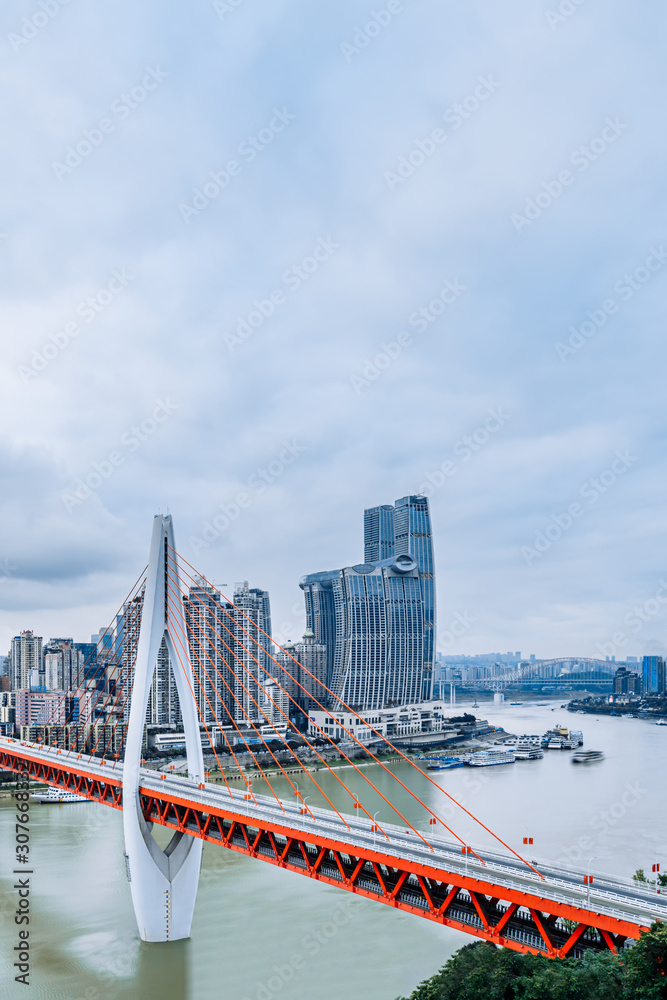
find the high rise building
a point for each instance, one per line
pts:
(163, 705)
(378, 533)
(653, 674)
(378, 656)
(321, 614)
(63, 665)
(409, 522)
(627, 682)
(34, 707)
(120, 659)
(26, 661)
(229, 652)
(304, 679)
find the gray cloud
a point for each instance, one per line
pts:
(163, 337)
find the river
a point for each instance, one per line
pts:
(253, 919)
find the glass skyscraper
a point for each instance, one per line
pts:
(653, 674)
(377, 619)
(376, 615)
(405, 529)
(378, 533)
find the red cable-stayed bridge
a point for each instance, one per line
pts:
(423, 868)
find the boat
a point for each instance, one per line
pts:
(516, 703)
(57, 795)
(661, 722)
(586, 756)
(487, 758)
(445, 766)
(560, 738)
(528, 748)
(529, 753)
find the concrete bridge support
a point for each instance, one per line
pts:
(163, 882)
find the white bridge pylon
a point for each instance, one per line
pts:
(163, 882)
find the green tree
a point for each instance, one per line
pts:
(483, 972)
(646, 966)
(639, 876)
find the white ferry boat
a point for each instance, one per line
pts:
(586, 756)
(58, 795)
(528, 749)
(487, 758)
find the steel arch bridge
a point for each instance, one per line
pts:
(563, 672)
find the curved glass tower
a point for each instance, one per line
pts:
(377, 619)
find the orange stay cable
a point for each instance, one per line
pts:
(367, 779)
(203, 690)
(187, 679)
(221, 729)
(280, 736)
(351, 733)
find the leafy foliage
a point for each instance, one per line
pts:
(483, 972)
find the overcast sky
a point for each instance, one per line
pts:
(331, 241)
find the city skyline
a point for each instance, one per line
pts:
(336, 325)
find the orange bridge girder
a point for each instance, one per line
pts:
(507, 917)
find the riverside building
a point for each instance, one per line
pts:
(376, 619)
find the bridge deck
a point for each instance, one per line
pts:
(501, 899)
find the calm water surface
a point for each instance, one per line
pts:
(252, 918)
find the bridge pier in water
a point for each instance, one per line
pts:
(163, 883)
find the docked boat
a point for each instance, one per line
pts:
(561, 738)
(528, 749)
(487, 758)
(445, 765)
(57, 795)
(586, 756)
